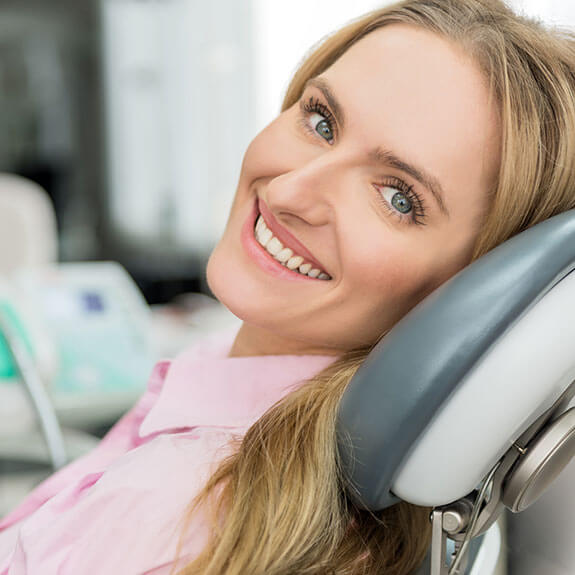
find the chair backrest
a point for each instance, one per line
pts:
(28, 231)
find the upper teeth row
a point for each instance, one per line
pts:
(283, 255)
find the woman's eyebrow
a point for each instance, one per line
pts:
(328, 94)
(378, 155)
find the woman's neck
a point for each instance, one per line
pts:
(253, 341)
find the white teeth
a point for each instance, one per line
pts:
(260, 224)
(274, 247)
(264, 237)
(294, 262)
(285, 256)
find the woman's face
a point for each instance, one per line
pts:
(378, 177)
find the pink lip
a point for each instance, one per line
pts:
(286, 237)
(263, 258)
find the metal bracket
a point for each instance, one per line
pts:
(465, 519)
(439, 563)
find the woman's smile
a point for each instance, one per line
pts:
(284, 247)
(286, 259)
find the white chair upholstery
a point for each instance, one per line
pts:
(28, 232)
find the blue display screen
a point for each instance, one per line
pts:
(92, 302)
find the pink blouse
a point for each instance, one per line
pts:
(117, 510)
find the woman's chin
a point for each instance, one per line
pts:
(228, 286)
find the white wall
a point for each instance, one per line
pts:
(285, 31)
(555, 12)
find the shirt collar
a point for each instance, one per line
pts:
(205, 387)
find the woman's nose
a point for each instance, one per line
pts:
(307, 191)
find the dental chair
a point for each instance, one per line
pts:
(464, 405)
(28, 230)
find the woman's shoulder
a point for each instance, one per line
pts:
(135, 504)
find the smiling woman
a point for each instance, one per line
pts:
(410, 143)
(381, 172)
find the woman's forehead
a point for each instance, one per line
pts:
(407, 90)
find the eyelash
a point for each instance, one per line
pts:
(417, 215)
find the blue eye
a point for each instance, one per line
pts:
(323, 127)
(401, 200)
(317, 119)
(401, 203)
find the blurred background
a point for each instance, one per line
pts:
(128, 120)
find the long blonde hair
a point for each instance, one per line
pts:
(278, 504)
